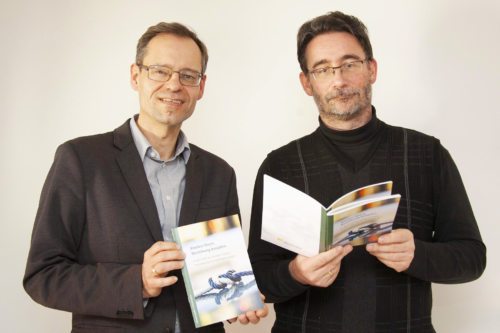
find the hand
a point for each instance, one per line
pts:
(395, 249)
(252, 316)
(320, 270)
(159, 260)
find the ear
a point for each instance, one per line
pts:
(202, 87)
(306, 83)
(373, 67)
(134, 75)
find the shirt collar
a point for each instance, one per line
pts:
(143, 146)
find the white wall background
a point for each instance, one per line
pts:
(64, 73)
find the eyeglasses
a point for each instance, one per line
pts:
(348, 69)
(163, 74)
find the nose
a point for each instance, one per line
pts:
(338, 79)
(174, 83)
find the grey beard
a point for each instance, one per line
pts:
(330, 111)
(343, 116)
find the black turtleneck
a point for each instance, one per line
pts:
(354, 148)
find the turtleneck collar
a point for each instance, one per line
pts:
(356, 136)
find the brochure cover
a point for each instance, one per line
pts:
(217, 272)
(295, 221)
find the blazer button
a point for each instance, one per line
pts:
(168, 330)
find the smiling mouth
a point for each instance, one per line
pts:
(171, 101)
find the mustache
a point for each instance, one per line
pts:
(342, 93)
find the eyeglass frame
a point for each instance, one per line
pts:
(313, 72)
(179, 72)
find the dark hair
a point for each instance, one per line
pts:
(173, 28)
(331, 22)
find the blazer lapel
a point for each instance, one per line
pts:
(133, 171)
(192, 192)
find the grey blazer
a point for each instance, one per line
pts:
(95, 220)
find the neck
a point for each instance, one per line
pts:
(162, 138)
(338, 124)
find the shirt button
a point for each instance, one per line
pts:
(168, 197)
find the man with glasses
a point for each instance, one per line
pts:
(383, 286)
(101, 244)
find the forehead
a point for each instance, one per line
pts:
(333, 48)
(174, 51)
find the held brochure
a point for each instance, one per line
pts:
(295, 221)
(217, 272)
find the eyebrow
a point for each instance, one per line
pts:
(342, 59)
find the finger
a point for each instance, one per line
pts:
(152, 286)
(165, 267)
(252, 317)
(345, 250)
(168, 255)
(395, 257)
(325, 258)
(155, 264)
(332, 270)
(391, 248)
(330, 274)
(314, 270)
(397, 266)
(332, 254)
(389, 264)
(396, 236)
(262, 313)
(161, 246)
(243, 319)
(162, 282)
(232, 320)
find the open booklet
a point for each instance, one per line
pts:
(295, 221)
(217, 272)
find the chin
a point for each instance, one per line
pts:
(351, 114)
(342, 115)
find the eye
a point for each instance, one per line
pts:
(188, 76)
(160, 72)
(322, 70)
